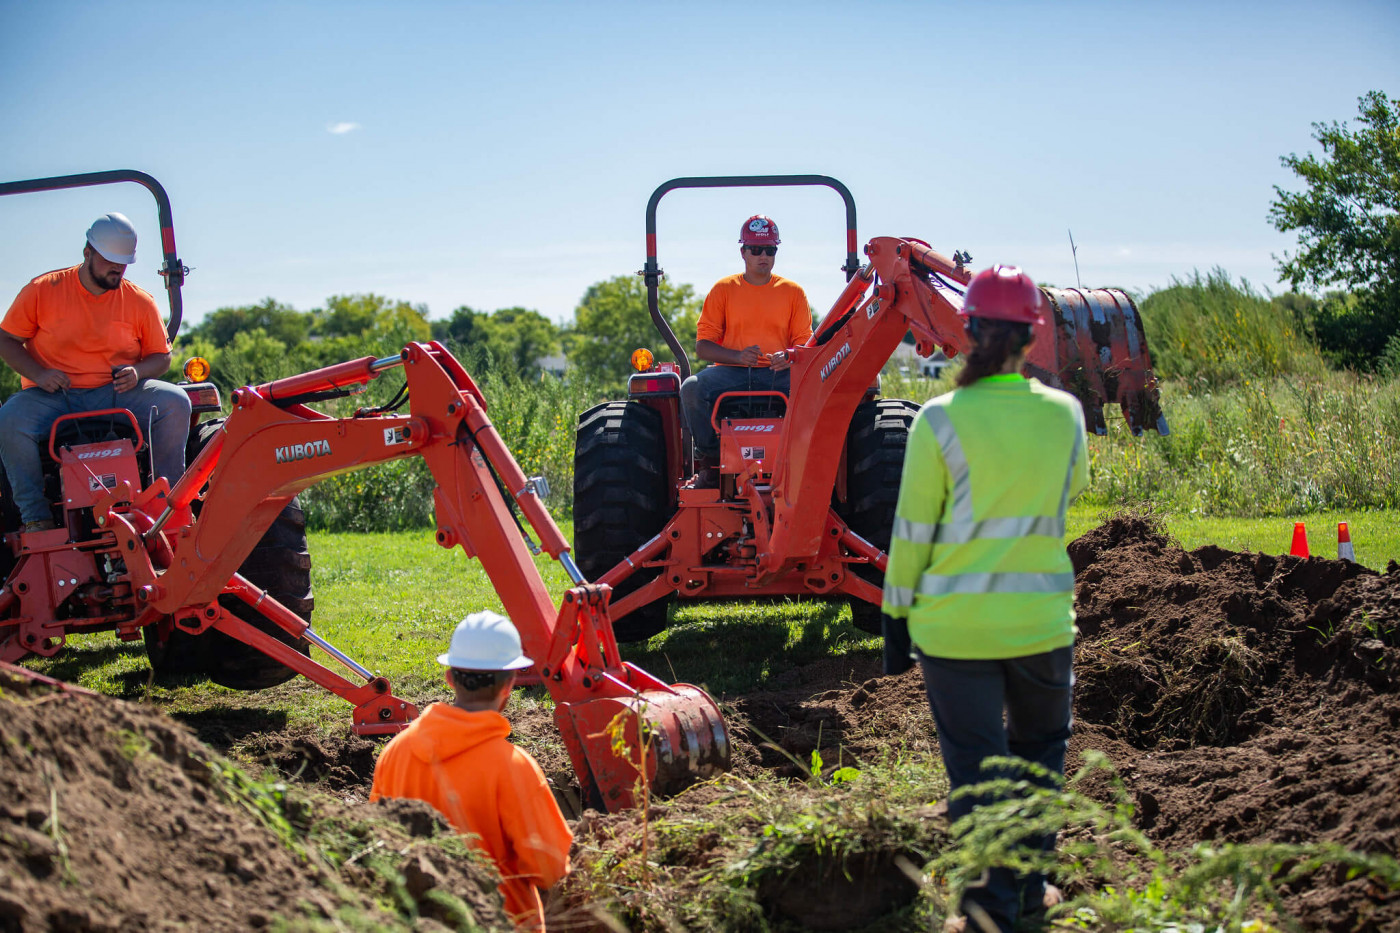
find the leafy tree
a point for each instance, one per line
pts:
(1348, 223)
(525, 336)
(278, 321)
(252, 357)
(515, 337)
(466, 328)
(373, 317)
(612, 320)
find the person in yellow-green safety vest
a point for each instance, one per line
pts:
(979, 588)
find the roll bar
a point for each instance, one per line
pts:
(172, 269)
(652, 272)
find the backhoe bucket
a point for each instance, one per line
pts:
(683, 740)
(1092, 345)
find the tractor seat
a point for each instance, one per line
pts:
(742, 407)
(92, 429)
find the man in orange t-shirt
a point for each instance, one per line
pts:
(82, 339)
(748, 323)
(456, 757)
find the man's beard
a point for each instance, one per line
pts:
(113, 279)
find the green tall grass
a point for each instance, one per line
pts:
(1283, 446)
(1209, 332)
(1290, 445)
(535, 416)
(1259, 425)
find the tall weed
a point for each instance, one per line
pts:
(1210, 332)
(1284, 446)
(535, 416)
(1126, 881)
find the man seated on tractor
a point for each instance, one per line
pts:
(456, 757)
(82, 339)
(747, 325)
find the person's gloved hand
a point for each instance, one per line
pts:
(897, 657)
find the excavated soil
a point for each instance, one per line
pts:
(1242, 697)
(115, 818)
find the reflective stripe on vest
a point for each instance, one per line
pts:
(955, 459)
(1079, 443)
(899, 597)
(963, 583)
(962, 532)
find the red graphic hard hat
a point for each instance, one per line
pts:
(1003, 293)
(759, 230)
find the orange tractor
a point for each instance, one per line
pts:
(809, 480)
(213, 571)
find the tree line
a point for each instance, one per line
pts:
(256, 343)
(1345, 276)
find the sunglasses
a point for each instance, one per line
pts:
(762, 250)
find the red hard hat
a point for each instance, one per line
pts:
(1003, 293)
(759, 230)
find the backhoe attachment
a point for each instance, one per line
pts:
(625, 730)
(1091, 343)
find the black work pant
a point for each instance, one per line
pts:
(1011, 707)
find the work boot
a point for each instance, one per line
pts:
(42, 524)
(706, 473)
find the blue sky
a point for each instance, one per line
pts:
(502, 154)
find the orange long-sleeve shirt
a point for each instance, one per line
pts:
(461, 763)
(66, 327)
(773, 317)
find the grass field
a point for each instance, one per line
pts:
(390, 600)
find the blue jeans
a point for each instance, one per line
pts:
(162, 409)
(968, 699)
(698, 394)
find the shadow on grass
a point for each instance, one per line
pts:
(732, 647)
(224, 726)
(97, 666)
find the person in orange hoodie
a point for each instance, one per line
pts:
(456, 757)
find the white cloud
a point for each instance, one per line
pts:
(341, 128)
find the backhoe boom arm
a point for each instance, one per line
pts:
(273, 446)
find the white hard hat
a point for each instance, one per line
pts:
(485, 641)
(113, 236)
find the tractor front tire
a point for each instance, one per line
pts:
(875, 445)
(281, 565)
(621, 501)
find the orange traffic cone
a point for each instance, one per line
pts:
(1300, 541)
(1344, 548)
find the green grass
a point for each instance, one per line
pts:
(1375, 535)
(391, 600)
(1211, 332)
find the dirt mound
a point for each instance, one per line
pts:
(341, 764)
(113, 817)
(1243, 697)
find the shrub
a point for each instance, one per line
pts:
(1272, 447)
(1210, 332)
(535, 416)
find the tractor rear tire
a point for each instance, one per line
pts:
(279, 564)
(621, 501)
(875, 445)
